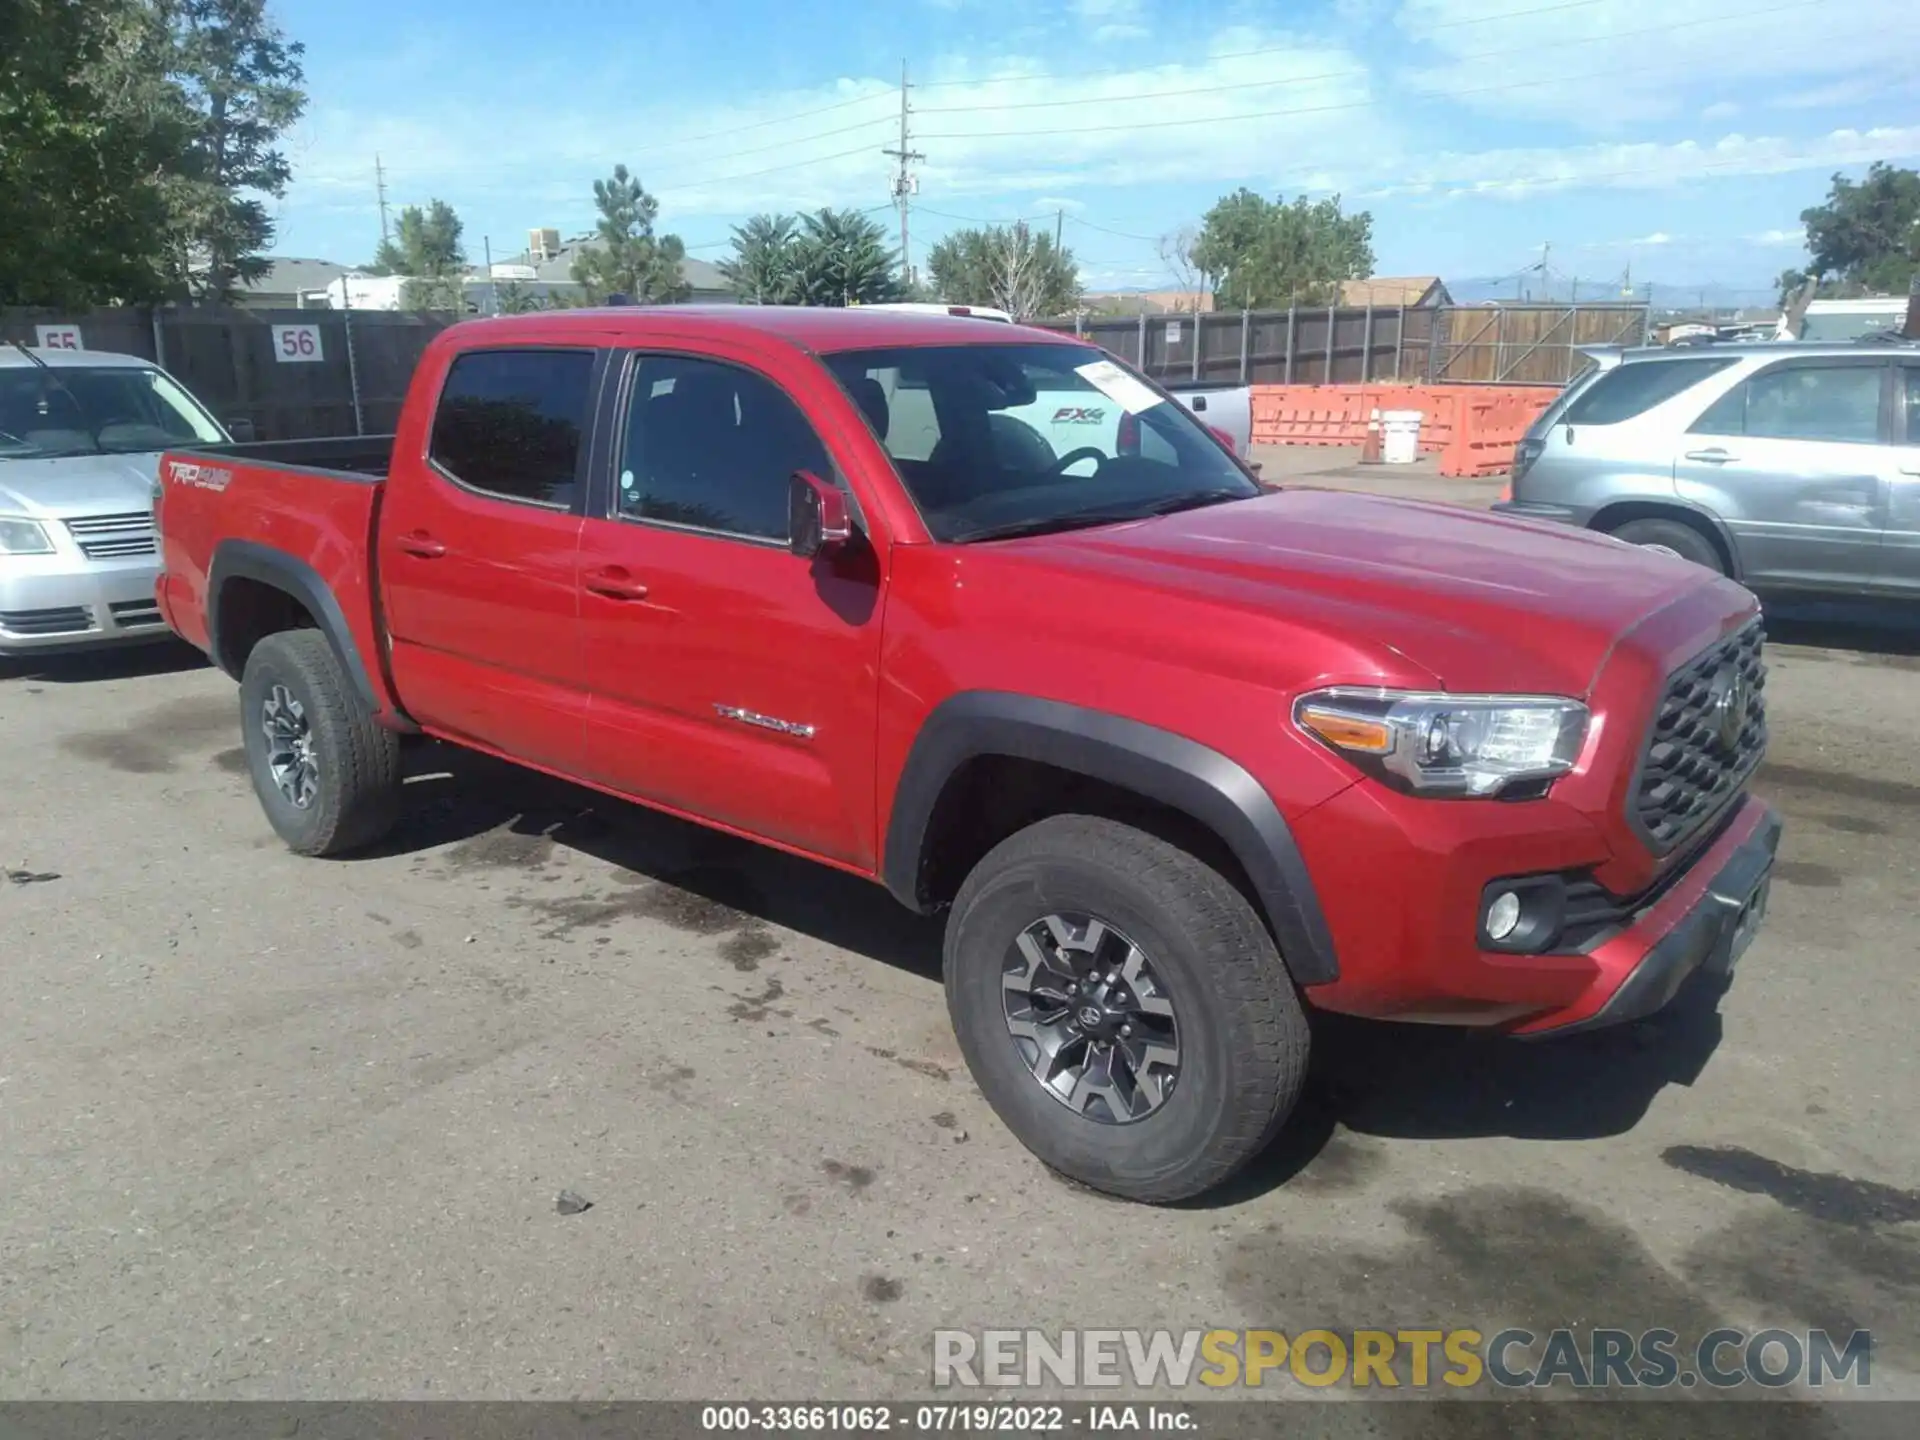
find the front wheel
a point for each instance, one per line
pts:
(326, 774)
(1672, 537)
(1123, 1008)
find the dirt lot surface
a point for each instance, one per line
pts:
(274, 1127)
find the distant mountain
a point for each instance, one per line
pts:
(1663, 296)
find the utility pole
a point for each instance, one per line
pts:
(1546, 282)
(380, 189)
(1059, 219)
(905, 182)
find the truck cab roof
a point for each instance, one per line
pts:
(815, 328)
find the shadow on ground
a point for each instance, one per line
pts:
(1876, 631)
(113, 662)
(1390, 1081)
(485, 815)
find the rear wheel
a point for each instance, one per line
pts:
(1123, 1008)
(1672, 537)
(326, 774)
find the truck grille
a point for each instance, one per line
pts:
(65, 620)
(109, 537)
(1709, 732)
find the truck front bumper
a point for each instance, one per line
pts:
(1704, 923)
(1404, 910)
(56, 602)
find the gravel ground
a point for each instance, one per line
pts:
(280, 1128)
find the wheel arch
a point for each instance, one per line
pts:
(1169, 771)
(242, 583)
(1610, 518)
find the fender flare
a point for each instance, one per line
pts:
(250, 560)
(1177, 772)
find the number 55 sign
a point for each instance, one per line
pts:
(295, 343)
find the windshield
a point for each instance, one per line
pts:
(993, 441)
(75, 410)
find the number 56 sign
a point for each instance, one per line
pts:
(293, 344)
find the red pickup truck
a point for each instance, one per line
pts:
(1183, 760)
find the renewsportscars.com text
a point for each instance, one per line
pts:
(1598, 1358)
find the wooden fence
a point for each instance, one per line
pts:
(1504, 344)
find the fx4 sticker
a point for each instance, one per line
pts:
(1078, 415)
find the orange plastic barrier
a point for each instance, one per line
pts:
(1473, 428)
(1492, 425)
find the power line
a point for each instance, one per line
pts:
(763, 124)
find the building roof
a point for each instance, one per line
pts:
(1392, 290)
(1152, 302)
(819, 328)
(292, 275)
(558, 269)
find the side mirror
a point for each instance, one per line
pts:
(818, 521)
(241, 429)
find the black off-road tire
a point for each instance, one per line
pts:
(356, 795)
(1675, 535)
(1242, 1026)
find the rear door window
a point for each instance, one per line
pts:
(1833, 403)
(1630, 390)
(509, 423)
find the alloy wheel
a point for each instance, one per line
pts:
(290, 757)
(1090, 1019)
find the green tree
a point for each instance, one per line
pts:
(842, 258)
(1866, 237)
(1011, 268)
(241, 78)
(425, 242)
(763, 268)
(89, 126)
(625, 257)
(1262, 254)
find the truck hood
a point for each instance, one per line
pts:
(74, 486)
(1479, 602)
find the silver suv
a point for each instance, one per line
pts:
(1788, 467)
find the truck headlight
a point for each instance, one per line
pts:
(23, 537)
(1463, 746)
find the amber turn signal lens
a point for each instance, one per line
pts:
(1349, 732)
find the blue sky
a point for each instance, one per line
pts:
(1681, 139)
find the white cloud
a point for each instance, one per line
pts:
(1609, 64)
(1058, 202)
(1720, 110)
(1113, 20)
(1794, 238)
(1658, 237)
(988, 125)
(1517, 173)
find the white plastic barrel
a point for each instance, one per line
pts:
(1399, 436)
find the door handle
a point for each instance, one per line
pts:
(1715, 456)
(421, 544)
(615, 584)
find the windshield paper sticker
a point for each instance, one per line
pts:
(1118, 386)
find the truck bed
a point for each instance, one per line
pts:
(296, 517)
(359, 455)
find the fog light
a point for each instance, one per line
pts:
(1503, 915)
